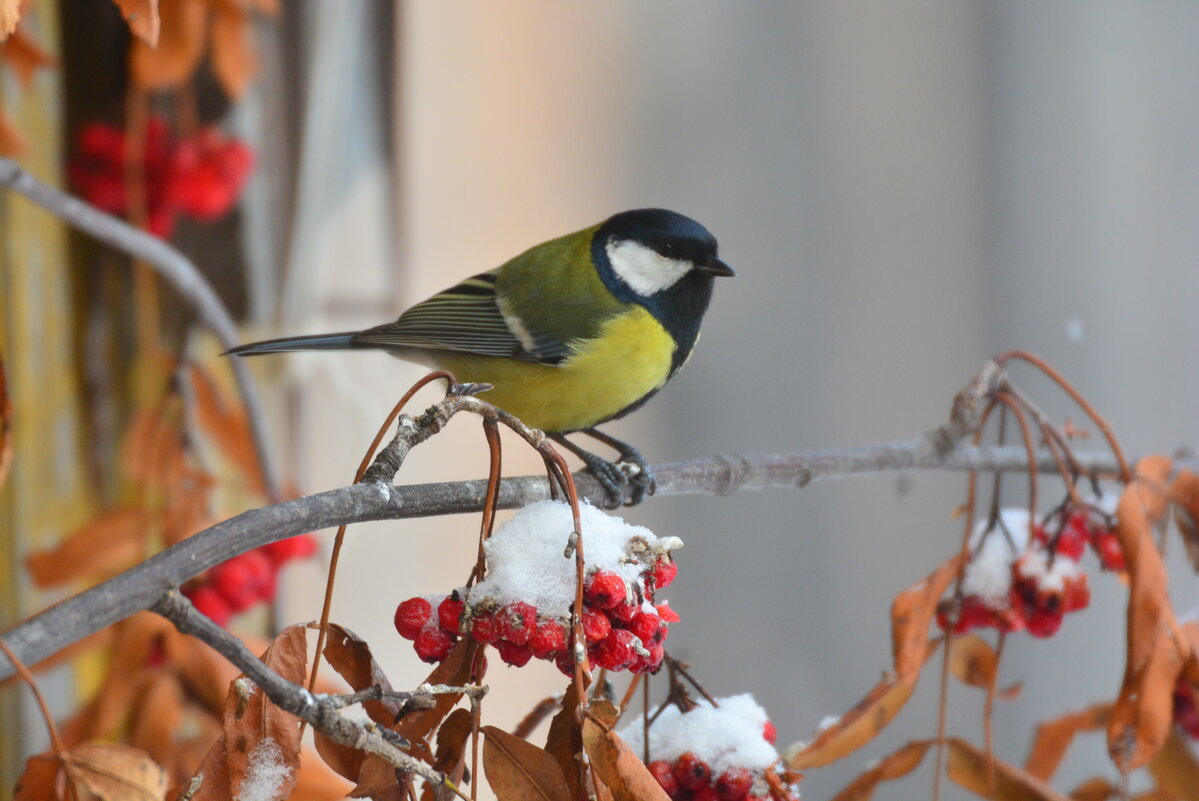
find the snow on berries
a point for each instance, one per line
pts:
(523, 607)
(1024, 577)
(710, 752)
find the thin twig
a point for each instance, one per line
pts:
(173, 267)
(56, 743)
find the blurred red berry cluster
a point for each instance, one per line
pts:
(243, 581)
(1186, 715)
(200, 176)
(1045, 580)
(623, 629)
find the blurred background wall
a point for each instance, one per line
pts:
(904, 189)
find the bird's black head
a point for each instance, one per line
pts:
(663, 261)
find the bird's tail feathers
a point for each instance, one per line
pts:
(289, 344)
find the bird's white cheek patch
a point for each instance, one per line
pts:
(645, 270)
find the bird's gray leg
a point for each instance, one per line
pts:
(633, 465)
(609, 475)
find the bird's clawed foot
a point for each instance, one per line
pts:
(631, 469)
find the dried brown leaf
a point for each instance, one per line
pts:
(157, 716)
(895, 765)
(1176, 770)
(517, 770)
(455, 670)
(261, 721)
(377, 780)
(225, 423)
(152, 447)
(315, 782)
(10, 15)
(1141, 718)
(25, 56)
(353, 660)
(142, 18)
(565, 740)
(970, 768)
(169, 65)
(451, 743)
(346, 761)
(863, 723)
(1184, 495)
(116, 772)
(12, 144)
(233, 58)
(39, 780)
(912, 613)
(1053, 738)
(973, 661)
(107, 543)
(1095, 789)
(614, 763)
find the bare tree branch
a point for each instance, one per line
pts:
(175, 268)
(140, 587)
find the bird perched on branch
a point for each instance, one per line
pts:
(571, 333)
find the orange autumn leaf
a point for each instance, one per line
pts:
(565, 740)
(1053, 739)
(859, 725)
(181, 41)
(973, 661)
(142, 18)
(233, 58)
(517, 770)
(25, 56)
(116, 772)
(893, 766)
(912, 613)
(1184, 495)
(227, 426)
(972, 769)
(1175, 769)
(257, 732)
(151, 447)
(614, 763)
(10, 15)
(12, 144)
(110, 542)
(1143, 712)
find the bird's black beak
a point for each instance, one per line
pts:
(715, 267)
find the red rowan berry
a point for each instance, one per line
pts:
(514, 654)
(604, 590)
(615, 652)
(449, 613)
(548, 638)
(411, 616)
(663, 772)
(621, 614)
(647, 627)
(664, 572)
(515, 622)
(482, 628)
(209, 601)
(733, 784)
(691, 771)
(595, 626)
(769, 733)
(433, 644)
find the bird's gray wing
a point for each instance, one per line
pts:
(468, 318)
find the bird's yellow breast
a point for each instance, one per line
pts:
(604, 375)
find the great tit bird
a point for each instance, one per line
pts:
(571, 333)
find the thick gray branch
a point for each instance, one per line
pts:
(141, 586)
(175, 268)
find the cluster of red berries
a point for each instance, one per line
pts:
(689, 778)
(200, 176)
(622, 627)
(1079, 528)
(1045, 582)
(241, 582)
